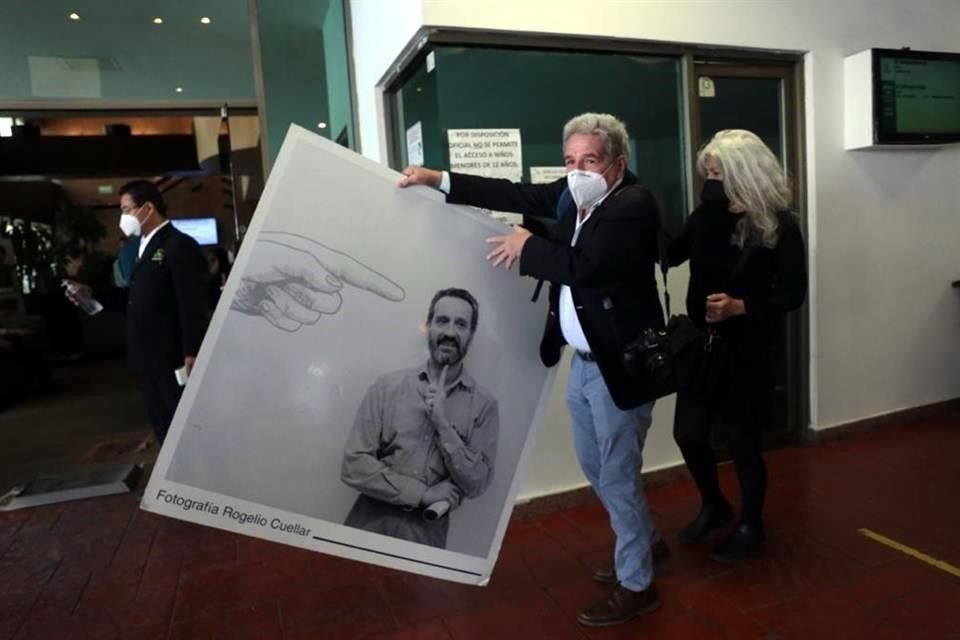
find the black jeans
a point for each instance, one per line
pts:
(740, 419)
(162, 395)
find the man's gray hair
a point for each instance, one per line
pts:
(610, 129)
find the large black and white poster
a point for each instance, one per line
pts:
(369, 384)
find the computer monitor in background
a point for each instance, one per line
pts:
(203, 230)
(916, 96)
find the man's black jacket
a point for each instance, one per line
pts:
(167, 311)
(610, 271)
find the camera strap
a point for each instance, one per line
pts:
(664, 267)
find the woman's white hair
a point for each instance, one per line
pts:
(610, 129)
(752, 177)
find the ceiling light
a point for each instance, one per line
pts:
(158, 20)
(321, 125)
(179, 89)
(205, 20)
(74, 16)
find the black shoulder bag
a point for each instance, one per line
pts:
(680, 356)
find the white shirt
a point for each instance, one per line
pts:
(145, 240)
(569, 322)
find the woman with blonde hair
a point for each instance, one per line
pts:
(747, 271)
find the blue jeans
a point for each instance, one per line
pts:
(609, 445)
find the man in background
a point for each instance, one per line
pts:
(167, 311)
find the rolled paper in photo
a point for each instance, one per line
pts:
(436, 510)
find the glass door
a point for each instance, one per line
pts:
(763, 99)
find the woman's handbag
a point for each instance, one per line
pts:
(681, 356)
(708, 378)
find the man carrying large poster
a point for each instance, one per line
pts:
(599, 260)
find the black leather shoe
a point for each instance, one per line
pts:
(660, 552)
(620, 606)
(745, 540)
(709, 518)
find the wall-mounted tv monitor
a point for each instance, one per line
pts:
(203, 230)
(916, 97)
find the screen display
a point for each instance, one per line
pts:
(918, 95)
(203, 230)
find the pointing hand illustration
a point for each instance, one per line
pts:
(292, 280)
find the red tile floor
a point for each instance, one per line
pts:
(104, 569)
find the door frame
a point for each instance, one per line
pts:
(792, 106)
(797, 330)
(770, 61)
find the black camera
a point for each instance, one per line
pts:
(660, 359)
(649, 355)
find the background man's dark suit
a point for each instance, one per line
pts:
(167, 315)
(610, 270)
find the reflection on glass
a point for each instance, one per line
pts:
(537, 92)
(304, 64)
(745, 103)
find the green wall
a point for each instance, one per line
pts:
(303, 59)
(338, 78)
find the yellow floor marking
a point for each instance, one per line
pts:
(902, 548)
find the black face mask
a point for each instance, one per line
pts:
(713, 195)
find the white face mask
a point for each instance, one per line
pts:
(586, 187)
(130, 224)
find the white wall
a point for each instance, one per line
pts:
(883, 225)
(380, 29)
